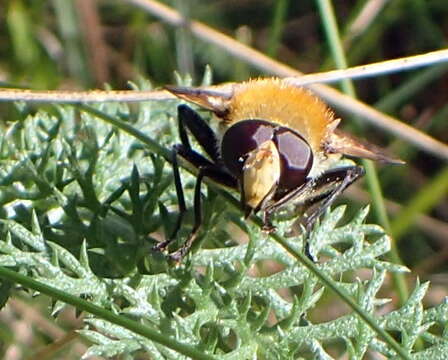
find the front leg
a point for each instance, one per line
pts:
(327, 188)
(190, 120)
(321, 191)
(201, 131)
(206, 168)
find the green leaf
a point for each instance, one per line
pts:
(87, 224)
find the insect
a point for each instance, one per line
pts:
(276, 144)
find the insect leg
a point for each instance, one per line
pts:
(326, 188)
(297, 195)
(214, 173)
(338, 180)
(181, 200)
(197, 160)
(190, 119)
(322, 191)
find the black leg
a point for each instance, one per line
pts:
(322, 191)
(206, 168)
(181, 123)
(341, 179)
(200, 130)
(180, 253)
(190, 120)
(325, 189)
(348, 176)
(213, 172)
(267, 223)
(181, 200)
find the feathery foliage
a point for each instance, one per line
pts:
(82, 204)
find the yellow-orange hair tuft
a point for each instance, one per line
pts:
(276, 101)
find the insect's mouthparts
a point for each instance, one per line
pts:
(261, 173)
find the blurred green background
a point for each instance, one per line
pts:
(85, 44)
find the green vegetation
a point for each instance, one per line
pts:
(86, 192)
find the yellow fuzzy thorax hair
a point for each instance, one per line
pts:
(278, 102)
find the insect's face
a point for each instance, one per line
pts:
(269, 159)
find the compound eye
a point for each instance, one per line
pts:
(296, 158)
(242, 138)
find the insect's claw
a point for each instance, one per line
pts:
(161, 246)
(177, 256)
(268, 228)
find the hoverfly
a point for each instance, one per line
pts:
(276, 144)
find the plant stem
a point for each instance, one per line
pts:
(332, 32)
(120, 320)
(329, 283)
(278, 22)
(421, 202)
